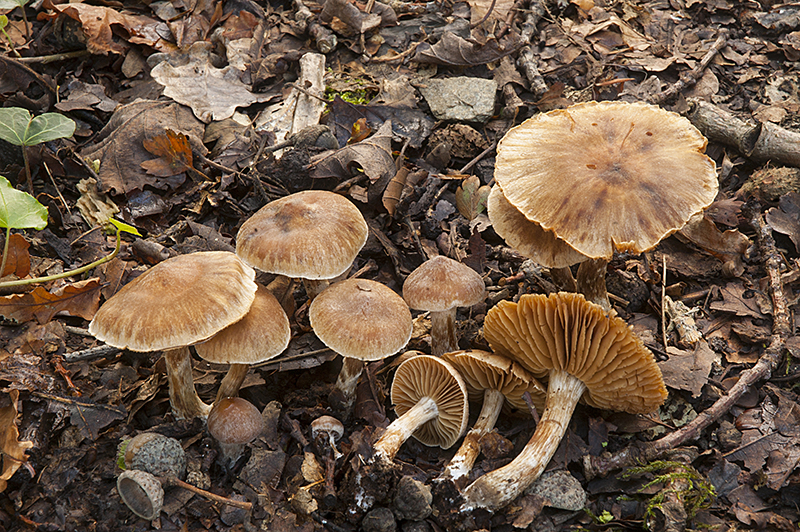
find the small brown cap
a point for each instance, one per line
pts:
(362, 319)
(327, 425)
(528, 237)
(429, 376)
(483, 371)
(607, 175)
(441, 284)
(314, 234)
(234, 420)
(178, 302)
(262, 334)
(563, 331)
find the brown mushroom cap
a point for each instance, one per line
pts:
(442, 283)
(234, 420)
(528, 237)
(314, 234)
(362, 319)
(262, 334)
(483, 371)
(607, 175)
(178, 302)
(428, 376)
(565, 332)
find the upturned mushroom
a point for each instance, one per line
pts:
(606, 177)
(498, 383)
(175, 304)
(314, 235)
(430, 397)
(233, 423)
(583, 352)
(441, 285)
(361, 320)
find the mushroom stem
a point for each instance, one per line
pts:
(499, 487)
(461, 463)
(592, 282)
(443, 332)
(232, 382)
(186, 404)
(348, 379)
(403, 427)
(563, 279)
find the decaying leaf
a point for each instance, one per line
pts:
(373, 155)
(173, 151)
(78, 299)
(452, 50)
(471, 197)
(688, 370)
(702, 232)
(95, 207)
(786, 219)
(19, 260)
(740, 301)
(394, 190)
(12, 450)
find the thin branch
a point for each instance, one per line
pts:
(694, 75)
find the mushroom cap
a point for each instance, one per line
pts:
(607, 175)
(177, 302)
(328, 425)
(362, 319)
(564, 331)
(528, 237)
(430, 376)
(442, 283)
(262, 334)
(234, 420)
(313, 234)
(483, 370)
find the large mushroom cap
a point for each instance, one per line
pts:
(442, 283)
(565, 332)
(429, 376)
(483, 371)
(178, 302)
(314, 234)
(607, 175)
(362, 319)
(262, 334)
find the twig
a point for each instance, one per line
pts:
(45, 59)
(172, 481)
(762, 370)
(100, 351)
(690, 79)
(477, 159)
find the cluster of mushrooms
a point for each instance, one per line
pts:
(639, 173)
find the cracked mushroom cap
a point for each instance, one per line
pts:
(564, 331)
(442, 283)
(607, 175)
(362, 319)
(313, 234)
(261, 335)
(483, 370)
(430, 376)
(177, 302)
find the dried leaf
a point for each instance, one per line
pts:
(702, 232)
(19, 260)
(12, 450)
(786, 219)
(173, 151)
(78, 299)
(688, 370)
(394, 189)
(452, 50)
(471, 197)
(359, 131)
(373, 156)
(739, 301)
(95, 207)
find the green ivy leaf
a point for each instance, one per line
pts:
(122, 227)
(11, 4)
(20, 128)
(20, 210)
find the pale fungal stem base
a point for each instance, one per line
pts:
(186, 404)
(315, 286)
(592, 282)
(403, 427)
(232, 381)
(461, 463)
(348, 379)
(499, 487)
(443, 332)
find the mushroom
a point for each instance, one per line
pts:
(584, 353)
(314, 235)
(329, 429)
(261, 335)
(441, 285)
(431, 399)
(362, 320)
(499, 383)
(605, 177)
(234, 422)
(176, 303)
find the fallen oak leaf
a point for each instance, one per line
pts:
(12, 450)
(452, 50)
(78, 299)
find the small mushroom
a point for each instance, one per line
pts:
(233, 423)
(330, 429)
(141, 492)
(177, 303)
(362, 320)
(314, 235)
(583, 352)
(431, 399)
(441, 285)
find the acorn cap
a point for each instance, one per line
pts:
(314, 234)
(362, 319)
(141, 492)
(428, 376)
(442, 283)
(483, 371)
(177, 302)
(262, 334)
(564, 331)
(607, 175)
(234, 420)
